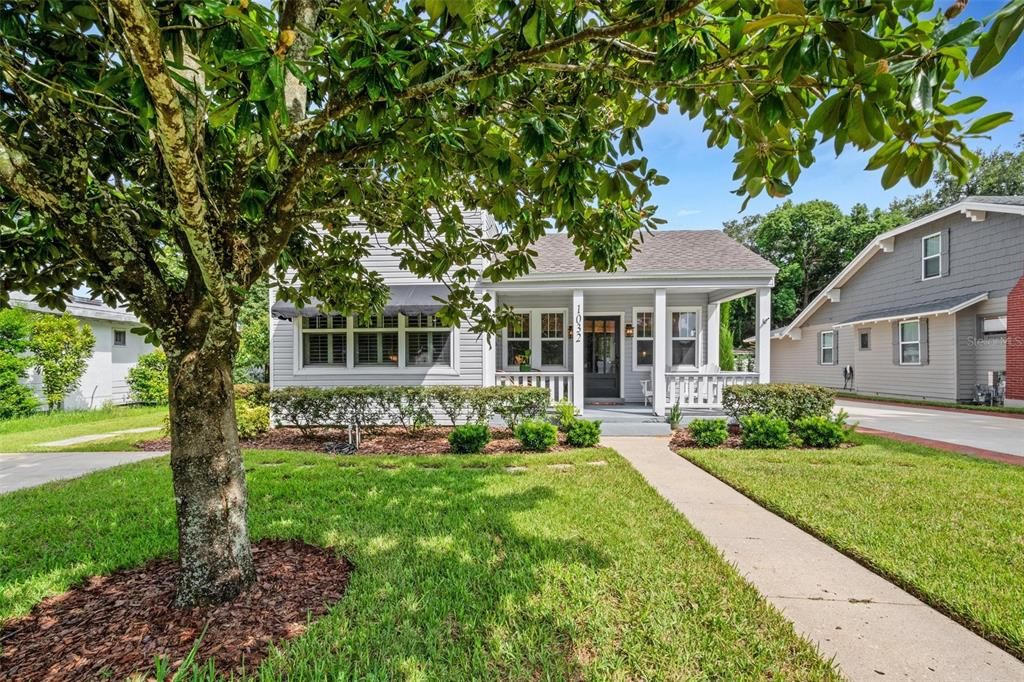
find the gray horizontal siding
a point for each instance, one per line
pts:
(978, 355)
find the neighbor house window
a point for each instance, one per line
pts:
(827, 351)
(931, 256)
(910, 342)
(376, 341)
(428, 342)
(324, 341)
(643, 339)
(552, 339)
(864, 337)
(120, 337)
(517, 339)
(684, 338)
(993, 325)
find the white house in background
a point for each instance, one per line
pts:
(648, 335)
(932, 309)
(116, 351)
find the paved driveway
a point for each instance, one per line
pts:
(974, 430)
(24, 470)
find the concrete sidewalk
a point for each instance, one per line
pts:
(871, 627)
(24, 470)
(968, 429)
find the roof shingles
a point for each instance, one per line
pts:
(667, 252)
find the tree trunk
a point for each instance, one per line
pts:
(209, 479)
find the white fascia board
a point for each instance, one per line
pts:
(932, 313)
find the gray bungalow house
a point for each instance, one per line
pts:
(646, 336)
(933, 309)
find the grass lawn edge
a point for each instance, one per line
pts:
(975, 626)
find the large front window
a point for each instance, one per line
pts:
(643, 339)
(684, 339)
(324, 340)
(427, 342)
(517, 340)
(376, 341)
(552, 339)
(910, 342)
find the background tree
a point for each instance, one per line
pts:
(147, 380)
(726, 342)
(169, 155)
(61, 349)
(16, 399)
(252, 363)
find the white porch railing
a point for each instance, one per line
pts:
(703, 390)
(559, 384)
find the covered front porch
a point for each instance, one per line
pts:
(626, 344)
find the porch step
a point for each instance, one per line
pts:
(613, 428)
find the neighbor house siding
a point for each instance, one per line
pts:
(796, 362)
(978, 355)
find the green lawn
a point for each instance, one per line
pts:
(949, 528)
(463, 570)
(25, 434)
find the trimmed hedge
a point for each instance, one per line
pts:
(709, 433)
(257, 394)
(538, 435)
(408, 406)
(789, 402)
(764, 431)
(820, 432)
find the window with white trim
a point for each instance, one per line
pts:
(120, 337)
(993, 325)
(376, 341)
(827, 350)
(517, 340)
(324, 341)
(428, 342)
(643, 338)
(684, 338)
(931, 256)
(910, 342)
(552, 339)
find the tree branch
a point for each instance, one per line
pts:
(19, 176)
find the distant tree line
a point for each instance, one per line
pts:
(811, 242)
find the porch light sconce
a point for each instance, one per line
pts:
(629, 330)
(568, 331)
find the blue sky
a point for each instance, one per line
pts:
(699, 195)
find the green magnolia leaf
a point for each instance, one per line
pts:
(532, 29)
(987, 123)
(435, 8)
(922, 172)
(1002, 34)
(223, 115)
(968, 105)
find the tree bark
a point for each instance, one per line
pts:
(209, 480)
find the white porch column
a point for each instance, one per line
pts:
(489, 347)
(577, 348)
(714, 327)
(659, 360)
(763, 332)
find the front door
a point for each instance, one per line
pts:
(601, 355)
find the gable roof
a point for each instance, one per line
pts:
(78, 306)
(671, 252)
(947, 306)
(973, 207)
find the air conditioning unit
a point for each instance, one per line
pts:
(994, 392)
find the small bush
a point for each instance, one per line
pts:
(583, 433)
(787, 401)
(253, 420)
(820, 432)
(674, 416)
(709, 433)
(147, 380)
(516, 403)
(257, 394)
(565, 414)
(469, 439)
(537, 435)
(764, 431)
(454, 401)
(16, 399)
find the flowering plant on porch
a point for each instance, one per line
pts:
(523, 360)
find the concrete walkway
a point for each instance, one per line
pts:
(24, 470)
(68, 442)
(871, 627)
(970, 429)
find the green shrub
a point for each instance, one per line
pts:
(786, 401)
(469, 439)
(253, 420)
(61, 348)
(16, 399)
(303, 408)
(537, 434)
(764, 431)
(674, 416)
(411, 406)
(454, 401)
(565, 414)
(820, 432)
(147, 380)
(709, 433)
(257, 394)
(583, 433)
(516, 403)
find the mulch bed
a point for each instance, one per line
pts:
(385, 440)
(112, 626)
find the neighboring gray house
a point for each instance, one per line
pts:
(648, 335)
(921, 312)
(116, 351)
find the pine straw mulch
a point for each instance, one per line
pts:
(384, 440)
(113, 626)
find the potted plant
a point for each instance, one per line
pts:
(674, 417)
(524, 360)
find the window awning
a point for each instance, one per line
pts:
(946, 306)
(408, 299)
